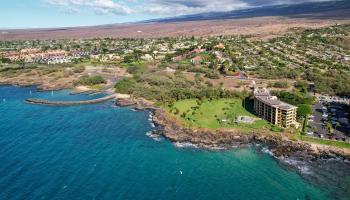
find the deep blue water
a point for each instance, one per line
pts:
(103, 152)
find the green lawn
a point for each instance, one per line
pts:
(339, 144)
(215, 114)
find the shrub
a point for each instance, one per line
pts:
(90, 80)
(212, 74)
(125, 86)
(79, 69)
(280, 84)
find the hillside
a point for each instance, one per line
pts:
(263, 22)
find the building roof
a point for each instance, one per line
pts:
(261, 92)
(264, 96)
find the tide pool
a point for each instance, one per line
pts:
(102, 152)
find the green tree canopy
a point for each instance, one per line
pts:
(304, 110)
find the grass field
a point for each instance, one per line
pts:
(339, 144)
(215, 114)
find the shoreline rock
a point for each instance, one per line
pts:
(280, 146)
(40, 87)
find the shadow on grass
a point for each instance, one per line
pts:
(248, 104)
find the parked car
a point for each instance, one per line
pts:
(310, 133)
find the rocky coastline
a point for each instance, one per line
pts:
(40, 86)
(279, 146)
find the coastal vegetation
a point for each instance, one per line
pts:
(202, 82)
(166, 87)
(327, 142)
(90, 80)
(216, 114)
(46, 77)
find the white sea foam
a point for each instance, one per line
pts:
(267, 151)
(184, 145)
(150, 117)
(218, 148)
(300, 165)
(154, 136)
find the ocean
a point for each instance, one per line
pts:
(105, 152)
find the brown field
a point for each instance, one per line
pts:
(261, 27)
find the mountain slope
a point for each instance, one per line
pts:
(262, 22)
(332, 9)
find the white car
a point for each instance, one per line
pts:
(310, 133)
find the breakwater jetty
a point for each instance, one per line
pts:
(70, 103)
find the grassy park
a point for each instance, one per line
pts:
(216, 114)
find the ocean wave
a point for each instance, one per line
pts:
(267, 151)
(301, 166)
(155, 137)
(185, 145)
(220, 148)
(150, 117)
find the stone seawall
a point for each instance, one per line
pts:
(69, 103)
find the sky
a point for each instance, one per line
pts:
(69, 13)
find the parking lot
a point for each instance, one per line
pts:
(335, 114)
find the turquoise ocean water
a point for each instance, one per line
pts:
(102, 152)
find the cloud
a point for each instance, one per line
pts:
(181, 7)
(99, 6)
(164, 7)
(71, 11)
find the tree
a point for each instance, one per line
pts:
(337, 125)
(304, 110)
(329, 128)
(125, 86)
(177, 111)
(301, 86)
(305, 124)
(5, 60)
(314, 128)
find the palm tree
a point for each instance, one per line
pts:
(329, 128)
(337, 125)
(314, 128)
